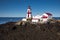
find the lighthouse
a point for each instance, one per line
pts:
(29, 14)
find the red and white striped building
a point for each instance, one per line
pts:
(29, 13)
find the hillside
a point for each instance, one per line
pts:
(10, 31)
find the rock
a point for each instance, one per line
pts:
(58, 33)
(20, 23)
(27, 31)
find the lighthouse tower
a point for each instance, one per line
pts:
(29, 14)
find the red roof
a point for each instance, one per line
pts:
(49, 14)
(44, 16)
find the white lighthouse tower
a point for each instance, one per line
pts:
(29, 13)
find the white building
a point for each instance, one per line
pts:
(36, 18)
(46, 17)
(42, 19)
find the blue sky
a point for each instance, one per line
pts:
(18, 8)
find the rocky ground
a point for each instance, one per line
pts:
(28, 31)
